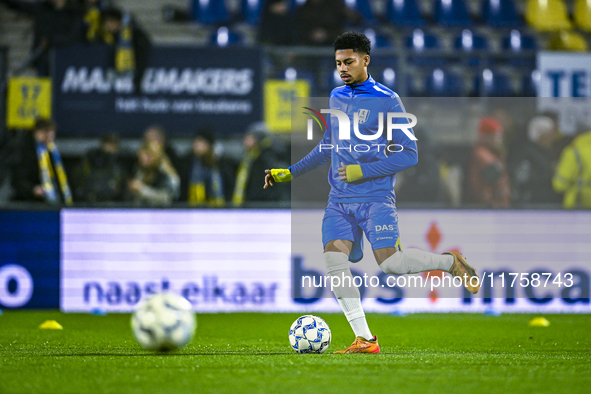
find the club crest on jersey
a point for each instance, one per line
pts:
(363, 115)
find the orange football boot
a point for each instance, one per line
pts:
(461, 268)
(362, 345)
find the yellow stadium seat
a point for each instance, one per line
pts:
(568, 41)
(583, 14)
(547, 15)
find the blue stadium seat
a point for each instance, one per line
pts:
(468, 41)
(404, 13)
(419, 40)
(223, 37)
(515, 41)
(382, 69)
(377, 40)
(420, 43)
(387, 76)
(209, 12)
(530, 83)
(293, 73)
(334, 79)
(440, 83)
(500, 13)
(451, 13)
(493, 84)
(363, 8)
(251, 11)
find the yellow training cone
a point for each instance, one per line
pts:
(51, 325)
(539, 322)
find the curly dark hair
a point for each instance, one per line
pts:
(356, 41)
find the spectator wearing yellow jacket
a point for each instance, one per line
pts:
(573, 173)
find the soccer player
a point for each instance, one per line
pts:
(362, 188)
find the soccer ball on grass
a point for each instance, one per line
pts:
(164, 322)
(309, 334)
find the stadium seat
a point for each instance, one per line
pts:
(251, 11)
(568, 41)
(419, 41)
(293, 73)
(451, 13)
(384, 71)
(404, 13)
(377, 40)
(500, 13)
(334, 79)
(387, 76)
(440, 83)
(363, 8)
(582, 15)
(223, 37)
(517, 42)
(493, 84)
(468, 41)
(209, 12)
(298, 73)
(547, 15)
(530, 83)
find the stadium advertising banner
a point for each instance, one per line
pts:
(182, 87)
(566, 75)
(235, 260)
(29, 260)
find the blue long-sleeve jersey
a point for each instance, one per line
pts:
(370, 101)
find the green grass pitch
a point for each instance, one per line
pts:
(236, 353)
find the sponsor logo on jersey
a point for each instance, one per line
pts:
(385, 227)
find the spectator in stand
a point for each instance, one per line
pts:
(131, 45)
(155, 182)
(489, 182)
(573, 173)
(318, 22)
(257, 157)
(201, 178)
(276, 23)
(421, 182)
(56, 23)
(101, 176)
(534, 165)
(92, 17)
(157, 134)
(38, 173)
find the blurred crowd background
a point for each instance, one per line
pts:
(508, 154)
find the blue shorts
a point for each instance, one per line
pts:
(378, 220)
